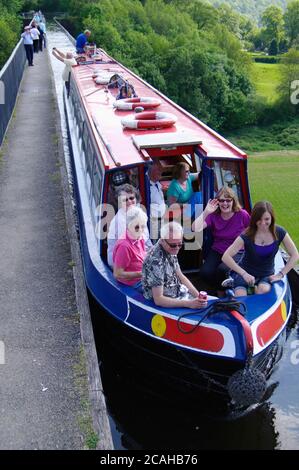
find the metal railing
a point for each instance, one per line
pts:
(10, 78)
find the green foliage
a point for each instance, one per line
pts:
(252, 8)
(291, 19)
(10, 28)
(230, 18)
(289, 76)
(282, 135)
(12, 6)
(47, 5)
(268, 59)
(272, 20)
(273, 48)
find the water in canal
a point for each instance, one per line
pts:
(144, 415)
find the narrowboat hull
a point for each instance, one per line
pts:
(220, 344)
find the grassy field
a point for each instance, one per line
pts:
(274, 176)
(266, 78)
(283, 132)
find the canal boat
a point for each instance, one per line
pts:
(109, 141)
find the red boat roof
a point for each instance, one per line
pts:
(119, 146)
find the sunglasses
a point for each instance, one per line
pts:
(174, 245)
(224, 200)
(139, 227)
(130, 198)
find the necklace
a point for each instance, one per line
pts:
(262, 240)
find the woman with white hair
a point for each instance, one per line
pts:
(129, 252)
(127, 197)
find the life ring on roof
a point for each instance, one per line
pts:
(149, 120)
(127, 104)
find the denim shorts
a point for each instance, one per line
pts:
(239, 281)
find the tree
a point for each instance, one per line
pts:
(10, 28)
(230, 18)
(273, 48)
(272, 20)
(289, 81)
(204, 14)
(291, 19)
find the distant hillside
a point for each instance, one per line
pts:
(251, 8)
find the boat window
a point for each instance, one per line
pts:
(87, 156)
(227, 173)
(120, 177)
(97, 178)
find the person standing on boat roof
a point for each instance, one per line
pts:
(260, 243)
(129, 252)
(157, 203)
(127, 197)
(226, 220)
(81, 41)
(162, 279)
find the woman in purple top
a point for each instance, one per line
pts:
(226, 220)
(260, 243)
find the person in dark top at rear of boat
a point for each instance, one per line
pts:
(162, 279)
(260, 243)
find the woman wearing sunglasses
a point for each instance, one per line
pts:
(226, 220)
(127, 197)
(129, 252)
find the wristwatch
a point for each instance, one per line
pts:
(282, 274)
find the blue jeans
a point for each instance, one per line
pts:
(214, 271)
(240, 283)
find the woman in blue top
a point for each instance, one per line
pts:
(260, 242)
(180, 190)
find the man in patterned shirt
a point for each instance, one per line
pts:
(162, 279)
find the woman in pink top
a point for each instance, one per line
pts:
(129, 252)
(226, 220)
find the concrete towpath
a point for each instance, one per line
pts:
(44, 397)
